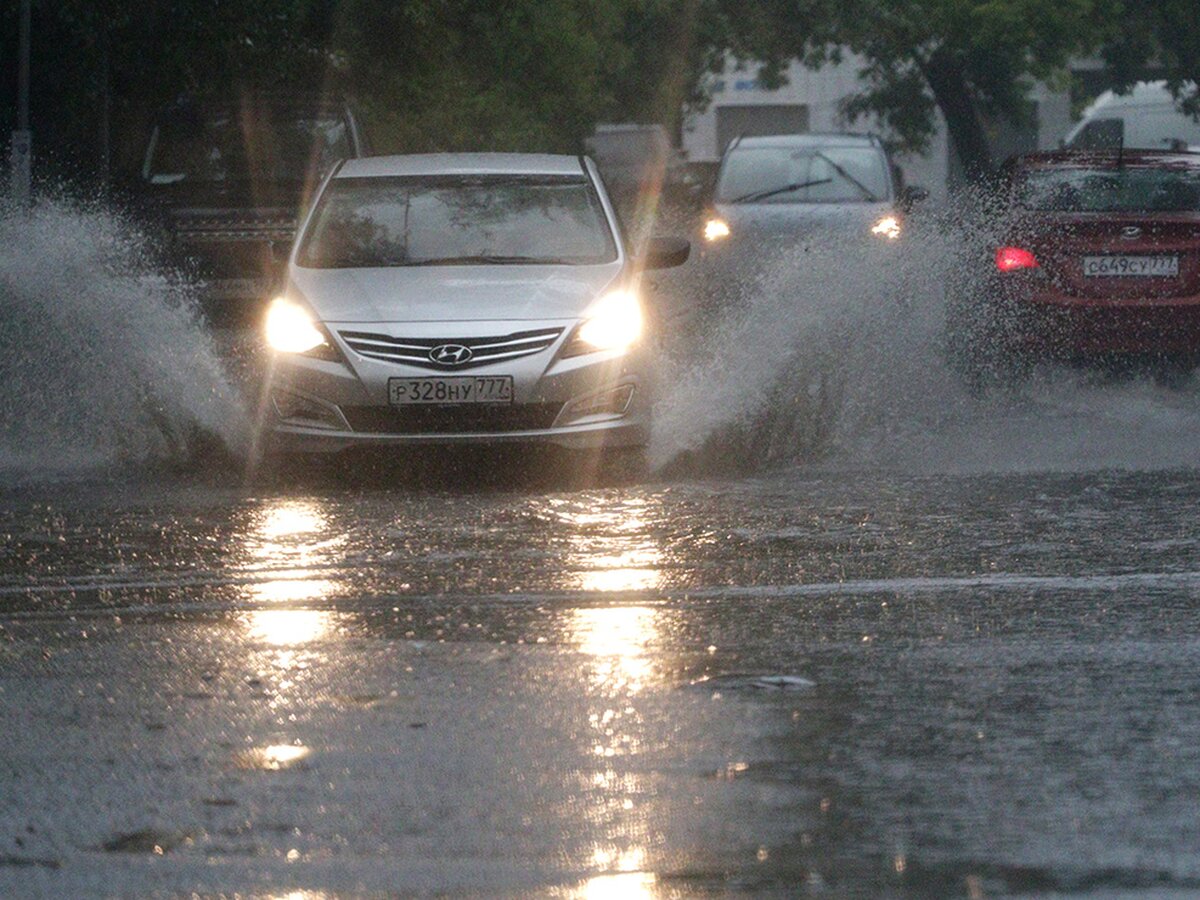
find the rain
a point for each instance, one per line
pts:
(789, 595)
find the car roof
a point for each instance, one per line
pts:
(812, 139)
(1105, 159)
(462, 164)
(1142, 94)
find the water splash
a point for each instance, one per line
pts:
(835, 353)
(103, 360)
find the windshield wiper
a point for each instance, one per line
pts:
(850, 178)
(763, 195)
(483, 260)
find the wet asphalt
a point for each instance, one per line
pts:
(810, 681)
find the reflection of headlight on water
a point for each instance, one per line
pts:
(272, 758)
(888, 227)
(289, 627)
(715, 230)
(623, 885)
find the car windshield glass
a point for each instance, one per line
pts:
(461, 220)
(803, 175)
(1111, 189)
(277, 147)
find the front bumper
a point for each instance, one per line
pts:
(599, 400)
(594, 436)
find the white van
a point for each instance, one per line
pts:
(1147, 118)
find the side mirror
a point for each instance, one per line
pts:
(665, 253)
(912, 196)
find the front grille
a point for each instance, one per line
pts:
(469, 419)
(484, 350)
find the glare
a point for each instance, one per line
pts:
(291, 590)
(887, 227)
(715, 230)
(623, 861)
(617, 579)
(617, 637)
(289, 329)
(292, 535)
(273, 757)
(614, 322)
(290, 519)
(615, 630)
(288, 627)
(622, 886)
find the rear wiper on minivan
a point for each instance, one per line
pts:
(483, 260)
(850, 178)
(763, 195)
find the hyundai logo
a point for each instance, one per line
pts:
(1131, 232)
(450, 354)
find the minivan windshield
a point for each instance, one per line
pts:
(276, 146)
(457, 220)
(803, 175)
(1110, 189)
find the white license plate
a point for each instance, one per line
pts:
(449, 391)
(1131, 266)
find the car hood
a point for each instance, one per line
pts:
(451, 293)
(801, 218)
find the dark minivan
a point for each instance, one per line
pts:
(225, 183)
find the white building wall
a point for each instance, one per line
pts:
(1054, 116)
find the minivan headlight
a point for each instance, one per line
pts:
(290, 329)
(614, 322)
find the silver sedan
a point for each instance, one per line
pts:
(462, 298)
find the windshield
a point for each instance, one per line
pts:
(219, 149)
(1129, 189)
(803, 175)
(408, 221)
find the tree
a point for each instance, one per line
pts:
(517, 74)
(969, 59)
(1159, 37)
(428, 74)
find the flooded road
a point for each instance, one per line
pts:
(858, 634)
(810, 681)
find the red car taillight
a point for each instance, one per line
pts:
(1010, 259)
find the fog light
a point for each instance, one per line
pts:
(613, 402)
(294, 409)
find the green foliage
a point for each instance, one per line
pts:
(1164, 34)
(520, 74)
(971, 59)
(539, 74)
(427, 74)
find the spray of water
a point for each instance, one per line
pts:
(103, 362)
(835, 352)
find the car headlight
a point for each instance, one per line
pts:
(613, 323)
(716, 229)
(290, 329)
(888, 227)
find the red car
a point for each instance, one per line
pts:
(1099, 258)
